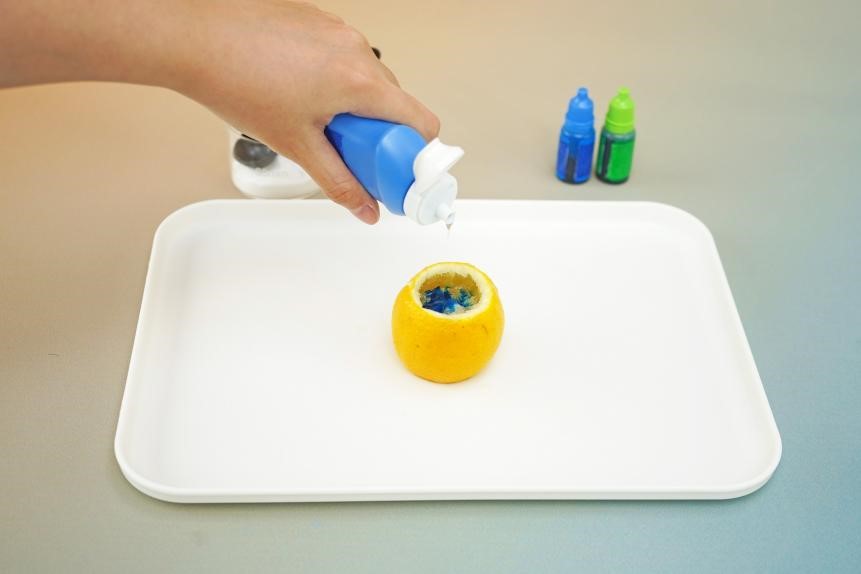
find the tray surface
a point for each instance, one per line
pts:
(263, 369)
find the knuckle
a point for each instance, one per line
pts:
(353, 37)
(309, 6)
(433, 124)
(333, 17)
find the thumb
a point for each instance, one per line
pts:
(326, 167)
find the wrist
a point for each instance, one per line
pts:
(185, 58)
(155, 43)
(173, 55)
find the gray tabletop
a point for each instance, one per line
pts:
(747, 118)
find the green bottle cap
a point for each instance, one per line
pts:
(620, 114)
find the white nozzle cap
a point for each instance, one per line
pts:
(431, 196)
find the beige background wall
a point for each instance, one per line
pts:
(746, 118)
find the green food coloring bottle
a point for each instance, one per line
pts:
(616, 146)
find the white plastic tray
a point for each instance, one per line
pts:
(263, 369)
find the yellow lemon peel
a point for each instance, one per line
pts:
(455, 344)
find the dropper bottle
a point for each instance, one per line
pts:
(616, 148)
(577, 140)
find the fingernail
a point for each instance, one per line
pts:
(367, 214)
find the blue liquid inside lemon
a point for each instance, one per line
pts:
(444, 300)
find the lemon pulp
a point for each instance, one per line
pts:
(444, 300)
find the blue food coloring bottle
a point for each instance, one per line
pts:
(577, 140)
(398, 167)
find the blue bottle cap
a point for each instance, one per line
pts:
(580, 114)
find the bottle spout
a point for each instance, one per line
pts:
(431, 196)
(446, 214)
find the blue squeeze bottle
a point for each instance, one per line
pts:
(577, 140)
(398, 167)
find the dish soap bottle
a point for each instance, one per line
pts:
(398, 167)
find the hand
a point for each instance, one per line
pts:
(279, 71)
(276, 70)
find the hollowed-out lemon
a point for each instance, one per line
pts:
(447, 322)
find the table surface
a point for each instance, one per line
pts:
(746, 118)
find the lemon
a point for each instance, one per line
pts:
(447, 322)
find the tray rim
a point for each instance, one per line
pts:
(175, 494)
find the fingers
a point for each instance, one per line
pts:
(386, 101)
(325, 166)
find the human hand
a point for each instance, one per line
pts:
(279, 71)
